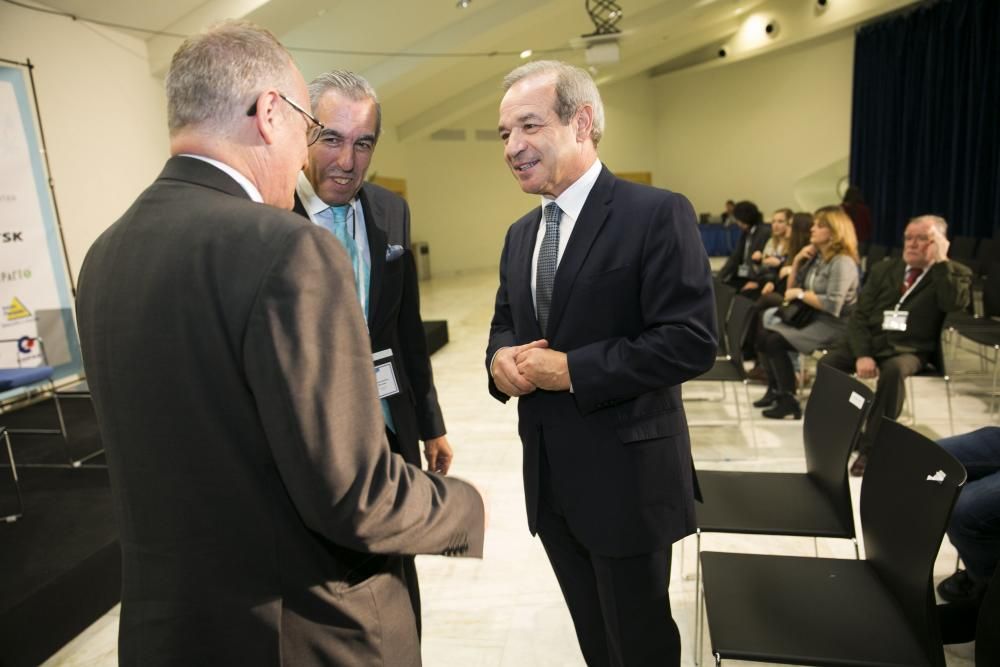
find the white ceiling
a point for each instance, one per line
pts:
(424, 94)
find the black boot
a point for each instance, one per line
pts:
(767, 400)
(786, 405)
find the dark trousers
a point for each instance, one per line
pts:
(890, 391)
(409, 562)
(620, 606)
(974, 527)
(773, 347)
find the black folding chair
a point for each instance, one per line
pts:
(724, 295)
(729, 367)
(814, 504)
(829, 611)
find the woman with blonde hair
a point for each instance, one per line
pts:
(825, 277)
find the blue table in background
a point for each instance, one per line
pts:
(719, 240)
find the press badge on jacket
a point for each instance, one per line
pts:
(385, 376)
(894, 320)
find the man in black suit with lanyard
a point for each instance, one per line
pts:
(604, 308)
(366, 218)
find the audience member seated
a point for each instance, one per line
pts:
(727, 215)
(859, 213)
(896, 327)
(825, 276)
(974, 527)
(738, 269)
(772, 291)
(766, 262)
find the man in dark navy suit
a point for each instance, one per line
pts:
(604, 308)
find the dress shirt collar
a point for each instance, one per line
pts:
(573, 198)
(310, 200)
(244, 182)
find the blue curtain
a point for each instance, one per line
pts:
(925, 130)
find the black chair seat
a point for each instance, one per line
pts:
(722, 371)
(806, 611)
(770, 503)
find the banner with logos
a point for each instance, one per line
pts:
(35, 295)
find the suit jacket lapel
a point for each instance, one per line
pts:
(521, 266)
(592, 218)
(377, 242)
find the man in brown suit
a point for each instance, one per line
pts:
(262, 514)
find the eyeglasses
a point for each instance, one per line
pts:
(919, 238)
(315, 128)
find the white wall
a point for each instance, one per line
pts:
(753, 129)
(104, 117)
(461, 193)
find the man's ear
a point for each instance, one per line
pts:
(268, 107)
(584, 122)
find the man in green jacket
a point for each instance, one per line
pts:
(896, 328)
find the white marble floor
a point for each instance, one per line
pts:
(506, 610)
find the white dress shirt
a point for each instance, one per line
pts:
(570, 202)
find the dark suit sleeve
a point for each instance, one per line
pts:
(953, 284)
(502, 326)
(308, 363)
(678, 339)
(859, 335)
(413, 344)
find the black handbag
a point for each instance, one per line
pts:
(796, 313)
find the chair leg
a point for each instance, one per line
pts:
(911, 398)
(857, 551)
(951, 416)
(11, 518)
(62, 428)
(753, 428)
(696, 647)
(718, 659)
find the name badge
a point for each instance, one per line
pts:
(385, 376)
(894, 320)
(743, 271)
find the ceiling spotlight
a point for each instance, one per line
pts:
(771, 29)
(722, 53)
(462, 4)
(526, 54)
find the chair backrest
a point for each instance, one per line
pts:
(837, 407)
(962, 248)
(740, 318)
(907, 495)
(987, 625)
(984, 256)
(991, 291)
(876, 253)
(723, 300)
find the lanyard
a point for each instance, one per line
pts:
(916, 282)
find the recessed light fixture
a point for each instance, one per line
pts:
(526, 54)
(462, 4)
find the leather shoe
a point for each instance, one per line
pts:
(767, 400)
(858, 467)
(786, 405)
(960, 587)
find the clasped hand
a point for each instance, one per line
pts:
(520, 369)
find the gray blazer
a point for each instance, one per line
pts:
(836, 286)
(261, 511)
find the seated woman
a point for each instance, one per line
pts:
(825, 276)
(766, 262)
(773, 285)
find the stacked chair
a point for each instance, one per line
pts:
(830, 611)
(814, 504)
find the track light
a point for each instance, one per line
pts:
(463, 4)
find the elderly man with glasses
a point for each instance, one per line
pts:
(895, 329)
(263, 517)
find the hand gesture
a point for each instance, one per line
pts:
(505, 373)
